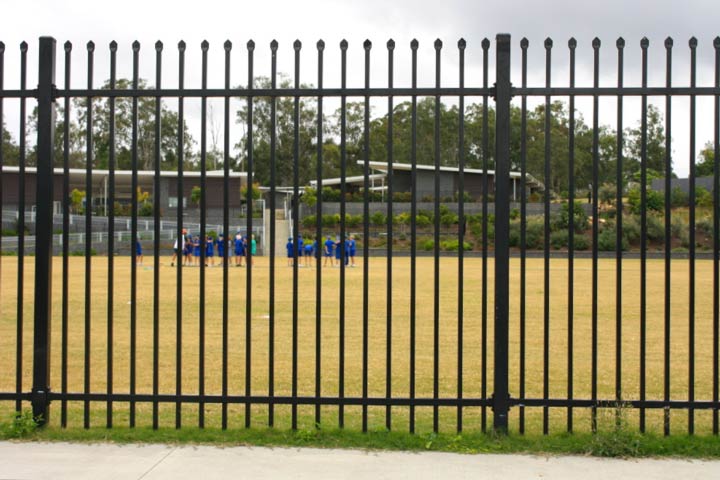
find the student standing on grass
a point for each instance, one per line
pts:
(138, 251)
(290, 252)
(300, 249)
(239, 250)
(209, 244)
(221, 248)
(178, 247)
(339, 247)
(308, 254)
(188, 250)
(351, 250)
(329, 245)
(250, 249)
(196, 250)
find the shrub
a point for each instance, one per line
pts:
(309, 221)
(330, 220)
(81, 253)
(655, 228)
(330, 194)
(514, 234)
(606, 241)
(514, 213)
(353, 221)
(679, 229)
(422, 221)
(678, 198)
(705, 226)
(454, 245)
(378, 219)
(703, 198)
(467, 198)
(428, 244)
(534, 230)
(581, 242)
(559, 239)
(631, 228)
(561, 220)
(145, 209)
(654, 200)
(534, 197)
(449, 219)
(607, 193)
(402, 196)
(401, 219)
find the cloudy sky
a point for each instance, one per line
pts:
(377, 20)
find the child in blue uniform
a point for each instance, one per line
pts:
(290, 253)
(300, 249)
(196, 250)
(187, 250)
(339, 247)
(308, 254)
(239, 250)
(209, 251)
(351, 250)
(138, 251)
(329, 245)
(221, 248)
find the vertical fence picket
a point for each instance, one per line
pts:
(111, 237)
(524, 44)
(89, 158)
(667, 241)
(501, 394)
(43, 245)
(572, 45)
(462, 222)
(65, 243)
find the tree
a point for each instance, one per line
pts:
(195, 195)
(705, 165)
(425, 134)
(285, 138)
(655, 146)
(124, 131)
(76, 199)
(10, 152)
(255, 192)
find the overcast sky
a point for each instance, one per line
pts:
(377, 20)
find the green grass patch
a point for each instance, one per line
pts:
(621, 443)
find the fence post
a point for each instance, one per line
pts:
(501, 395)
(44, 229)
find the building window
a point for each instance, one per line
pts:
(173, 202)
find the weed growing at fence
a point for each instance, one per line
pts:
(19, 425)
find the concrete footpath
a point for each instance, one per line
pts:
(31, 460)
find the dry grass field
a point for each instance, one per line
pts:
(378, 285)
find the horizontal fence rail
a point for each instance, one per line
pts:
(517, 271)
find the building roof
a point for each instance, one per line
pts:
(123, 178)
(358, 179)
(128, 173)
(383, 167)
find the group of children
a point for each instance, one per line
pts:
(189, 248)
(334, 251)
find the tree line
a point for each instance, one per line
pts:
(478, 122)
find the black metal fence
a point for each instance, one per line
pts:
(491, 342)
